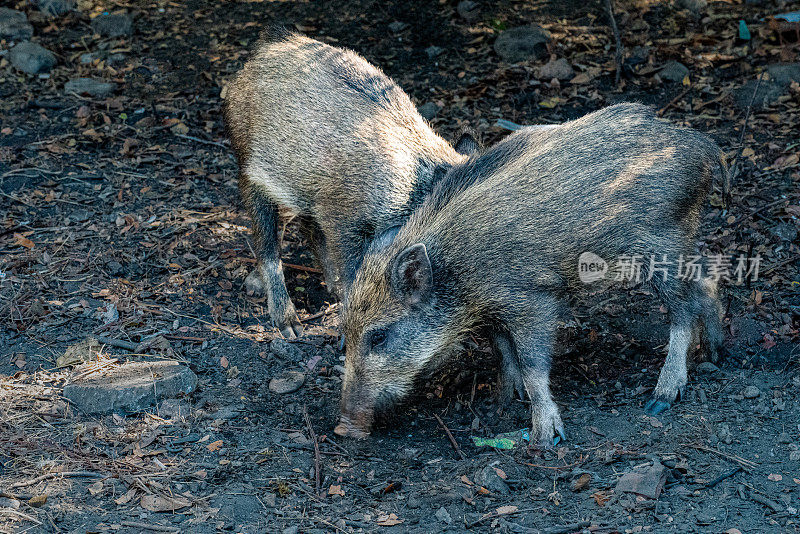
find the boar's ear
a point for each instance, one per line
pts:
(467, 144)
(411, 274)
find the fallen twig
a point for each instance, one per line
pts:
(723, 476)
(733, 172)
(769, 503)
(746, 464)
(617, 40)
(20, 514)
(147, 526)
(453, 441)
(48, 476)
(317, 462)
(672, 102)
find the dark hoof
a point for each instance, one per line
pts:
(656, 406)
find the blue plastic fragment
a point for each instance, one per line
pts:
(508, 125)
(744, 31)
(793, 16)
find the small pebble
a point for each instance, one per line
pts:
(751, 392)
(288, 382)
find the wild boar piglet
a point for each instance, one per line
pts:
(322, 133)
(497, 246)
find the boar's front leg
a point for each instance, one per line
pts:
(695, 313)
(533, 342)
(267, 278)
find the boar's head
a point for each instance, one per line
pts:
(394, 325)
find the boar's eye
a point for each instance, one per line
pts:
(378, 338)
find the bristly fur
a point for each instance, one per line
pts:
(321, 132)
(503, 233)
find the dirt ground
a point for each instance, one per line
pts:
(120, 218)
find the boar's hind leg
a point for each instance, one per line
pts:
(533, 342)
(267, 277)
(693, 310)
(511, 381)
(710, 324)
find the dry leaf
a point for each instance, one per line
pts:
(96, 488)
(21, 240)
(775, 477)
(389, 520)
(505, 510)
(335, 490)
(601, 498)
(500, 473)
(37, 501)
(125, 499)
(466, 480)
(156, 503)
(224, 362)
(214, 446)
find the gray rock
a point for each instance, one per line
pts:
(285, 350)
(751, 392)
(443, 515)
(557, 68)
(131, 387)
(695, 6)
(89, 86)
(468, 10)
(794, 456)
(14, 25)
(706, 367)
(785, 438)
(288, 382)
(434, 51)
(522, 43)
(55, 8)
(397, 26)
(31, 58)
(784, 73)
(489, 479)
(116, 25)
(428, 110)
(673, 71)
(781, 76)
(786, 231)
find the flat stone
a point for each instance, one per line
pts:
(443, 515)
(31, 58)
(674, 72)
(397, 26)
(751, 392)
(489, 479)
(286, 350)
(776, 84)
(468, 10)
(14, 25)
(55, 8)
(557, 68)
(115, 25)
(288, 382)
(647, 482)
(706, 367)
(695, 6)
(89, 86)
(131, 387)
(434, 51)
(522, 43)
(428, 110)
